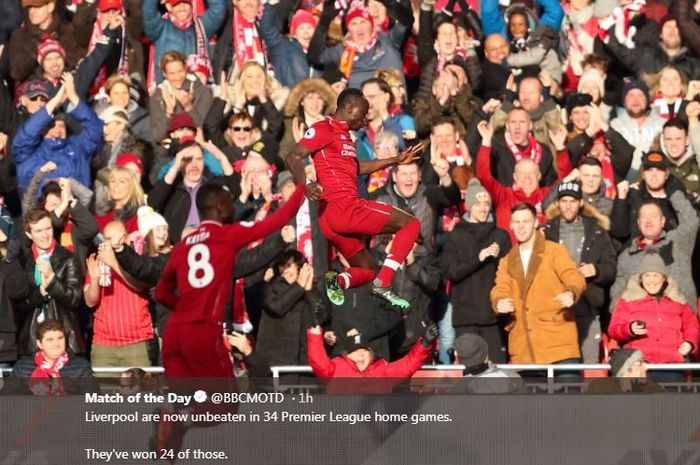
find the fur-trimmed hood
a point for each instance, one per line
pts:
(634, 291)
(552, 211)
(302, 88)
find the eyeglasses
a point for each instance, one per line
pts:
(39, 98)
(241, 128)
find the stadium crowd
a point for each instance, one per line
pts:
(558, 188)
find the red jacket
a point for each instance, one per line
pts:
(342, 367)
(504, 198)
(669, 322)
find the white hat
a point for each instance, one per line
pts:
(149, 219)
(113, 113)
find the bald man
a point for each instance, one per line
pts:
(494, 70)
(122, 322)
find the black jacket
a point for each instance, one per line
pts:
(621, 151)
(173, 200)
(597, 250)
(76, 376)
(13, 286)
(503, 162)
(472, 279)
(288, 310)
(62, 302)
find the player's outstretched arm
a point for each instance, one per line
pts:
(295, 163)
(409, 155)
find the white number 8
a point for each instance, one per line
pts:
(198, 261)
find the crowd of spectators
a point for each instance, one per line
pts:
(558, 189)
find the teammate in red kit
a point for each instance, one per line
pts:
(344, 217)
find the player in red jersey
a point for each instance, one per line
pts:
(344, 217)
(196, 284)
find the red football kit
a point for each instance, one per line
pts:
(196, 283)
(343, 215)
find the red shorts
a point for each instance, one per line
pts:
(345, 222)
(195, 350)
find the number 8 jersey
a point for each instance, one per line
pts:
(197, 280)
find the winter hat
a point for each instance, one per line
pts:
(149, 219)
(124, 158)
(358, 12)
(571, 189)
(198, 64)
(654, 159)
(283, 178)
(594, 76)
(106, 5)
(113, 114)
(49, 46)
(475, 193)
(471, 349)
(635, 84)
(622, 360)
(353, 343)
(576, 100)
(299, 18)
(181, 121)
(652, 263)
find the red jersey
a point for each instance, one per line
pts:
(201, 264)
(334, 158)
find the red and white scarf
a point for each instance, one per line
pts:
(533, 150)
(664, 110)
(606, 162)
(248, 46)
(123, 67)
(620, 20)
(304, 237)
(201, 47)
(40, 382)
(442, 59)
(351, 52)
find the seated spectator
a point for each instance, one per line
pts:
(288, 54)
(637, 124)
(538, 284)
(54, 285)
(675, 247)
(179, 30)
(122, 322)
(469, 260)
(42, 18)
(309, 102)
(526, 177)
(291, 303)
(124, 196)
(628, 373)
(53, 370)
(652, 316)
(481, 376)
(364, 50)
(177, 93)
(257, 94)
(174, 195)
(118, 92)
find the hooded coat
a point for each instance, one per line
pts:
(540, 331)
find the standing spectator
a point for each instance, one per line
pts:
(179, 30)
(364, 50)
(241, 40)
(53, 369)
(291, 303)
(44, 138)
(680, 145)
(652, 316)
(582, 230)
(176, 94)
(54, 284)
(122, 322)
(117, 92)
(469, 260)
(288, 54)
(637, 124)
(675, 246)
(125, 196)
(538, 284)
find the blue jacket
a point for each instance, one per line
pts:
(287, 55)
(396, 124)
(166, 36)
(71, 155)
(493, 21)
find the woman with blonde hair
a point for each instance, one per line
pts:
(669, 88)
(125, 196)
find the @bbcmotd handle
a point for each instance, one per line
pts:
(246, 398)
